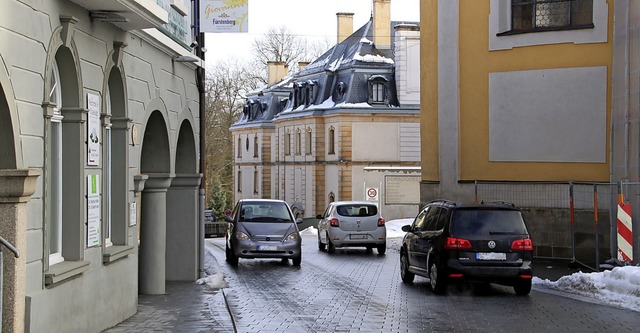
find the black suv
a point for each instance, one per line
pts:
(486, 242)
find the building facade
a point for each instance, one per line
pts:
(532, 97)
(99, 125)
(345, 127)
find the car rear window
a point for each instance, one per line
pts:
(487, 222)
(357, 210)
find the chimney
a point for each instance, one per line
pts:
(302, 65)
(382, 24)
(277, 70)
(345, 26)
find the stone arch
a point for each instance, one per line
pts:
(64, 179)
(10, 154)
(184, 239)
(116, 123)
(186, 156)
(155, 163)
(155, 145)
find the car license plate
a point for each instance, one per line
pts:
(267, 248)
(357, 236)
(491, 256)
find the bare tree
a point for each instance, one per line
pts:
(226, 85)
(282, 45)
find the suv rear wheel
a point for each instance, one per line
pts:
(437, 280)
(382, 248)
(522, 288)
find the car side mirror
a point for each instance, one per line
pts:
(406, 228)
(299, 220)
(319, 217)
(228, 219)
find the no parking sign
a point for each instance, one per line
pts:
(372, 194)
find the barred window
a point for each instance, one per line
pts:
(545, 15)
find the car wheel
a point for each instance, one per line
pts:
(382, 248)
(321, 246)
(523, 287)
(232, 259)
(438, 283)
(296, 261)
(331, 248)
(407, 277)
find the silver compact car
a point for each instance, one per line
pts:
(352, 224)
(263, 228)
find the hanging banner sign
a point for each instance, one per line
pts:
(93, 129)
(224, 15)
(93, 210)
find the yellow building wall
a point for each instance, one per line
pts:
(476, 62)
(429, 89)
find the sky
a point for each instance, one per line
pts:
(619, 287)
(311, 19)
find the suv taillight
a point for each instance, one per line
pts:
(451, 243)
(380, 222)
(524, 244)
(334, 222)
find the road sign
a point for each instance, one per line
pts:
(372, 194)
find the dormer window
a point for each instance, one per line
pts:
(341, 89)
(378, 90)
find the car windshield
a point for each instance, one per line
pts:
(265, 212)
(355, 210)
(486, 222)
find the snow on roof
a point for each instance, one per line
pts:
(372, 58)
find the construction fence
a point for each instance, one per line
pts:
(569, 220)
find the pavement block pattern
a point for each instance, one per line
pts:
(355, 291)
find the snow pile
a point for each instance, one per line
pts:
(619, 286)
(214, 282)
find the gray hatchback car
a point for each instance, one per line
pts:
(352, 224)
(263, 228)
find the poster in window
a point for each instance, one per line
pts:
(93, 210)
(93, 129)
(224, 16)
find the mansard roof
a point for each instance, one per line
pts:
(338, 79)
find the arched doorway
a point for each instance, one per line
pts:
(155, 163)
(183, 228)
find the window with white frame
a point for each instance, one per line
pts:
(511, 23)
(255, 181)
(308, 141)
(287, 143)
(255, 146)
(107, 172)
(332, 140)
(239, 181)
(55, 221)
(239, 147)
(378, 90)
(545, 15)
(298, 142)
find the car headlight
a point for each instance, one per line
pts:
(292, 237)
(241, 235)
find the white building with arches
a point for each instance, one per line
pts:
(99, 151)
